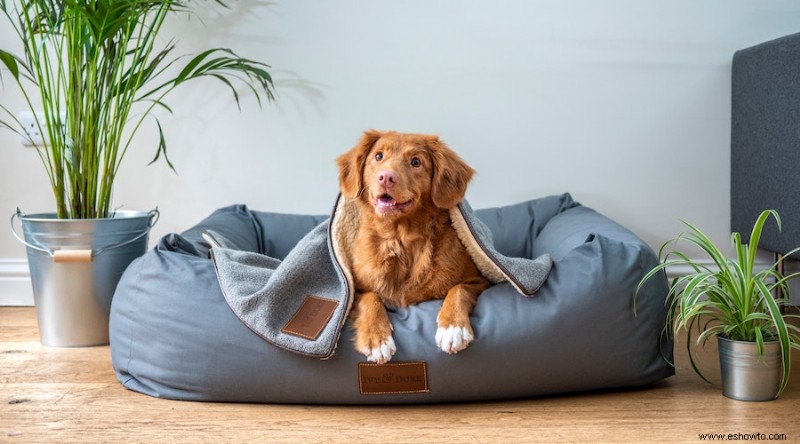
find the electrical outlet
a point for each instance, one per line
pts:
(29, 126)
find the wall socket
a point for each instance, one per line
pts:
(28, 122)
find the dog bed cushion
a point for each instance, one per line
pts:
(301, 303)
(174, 336)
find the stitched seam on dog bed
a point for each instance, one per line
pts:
(127, 368)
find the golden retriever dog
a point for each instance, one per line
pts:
(406, 250)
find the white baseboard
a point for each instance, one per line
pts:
(15, 283)
(682, 270)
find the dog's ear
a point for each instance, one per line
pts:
(450, 174)
(351, 164)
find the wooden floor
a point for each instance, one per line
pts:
(72, 395)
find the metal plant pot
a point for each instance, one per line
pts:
(75, 265)
(746, 375)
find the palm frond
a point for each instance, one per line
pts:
(95, 64)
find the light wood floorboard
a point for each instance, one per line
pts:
(72, 395)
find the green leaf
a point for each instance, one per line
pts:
(230, 85)
(162, 149)
(782, 332)
(95, 60)
(187, 70)
(11, 63)
(730, 300)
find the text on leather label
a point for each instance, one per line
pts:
(394, 377)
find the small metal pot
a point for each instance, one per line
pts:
(747, 375)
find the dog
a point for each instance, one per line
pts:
(406, 250)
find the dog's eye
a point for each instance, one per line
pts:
(379, 156)
(416, 163)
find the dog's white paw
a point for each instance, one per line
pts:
(453, 339)
(382, 353)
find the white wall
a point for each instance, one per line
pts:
(623, 103)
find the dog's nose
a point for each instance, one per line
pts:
(387, 178)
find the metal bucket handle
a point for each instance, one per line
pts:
(81, 255)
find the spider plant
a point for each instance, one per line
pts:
(100, 69)
(731, 298)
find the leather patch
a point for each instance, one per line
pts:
(312, 316)
(391, 378)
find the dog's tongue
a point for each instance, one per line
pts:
(386, 201)
(386, 204)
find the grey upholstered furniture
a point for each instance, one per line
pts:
(765, 140)
(173, 335)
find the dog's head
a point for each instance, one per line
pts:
(399, 174)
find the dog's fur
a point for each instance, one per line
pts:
(406, 250)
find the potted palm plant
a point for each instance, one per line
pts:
(92, 72)
(734, 302)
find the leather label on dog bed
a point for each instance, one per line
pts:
(391, 378)
(312, 316)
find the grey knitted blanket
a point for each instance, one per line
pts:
(301, 303)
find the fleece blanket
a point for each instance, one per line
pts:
(301, 303)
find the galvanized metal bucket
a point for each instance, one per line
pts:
(75, 265)
(747, 375)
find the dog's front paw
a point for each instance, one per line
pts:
(379, 352)
(454, 338)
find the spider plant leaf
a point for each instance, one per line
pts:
(665, 245)
(740, 249)
(708, 333)
(702, 241)
(692, 360)
(731, 300)
(779, 324)
(697, 285)
(755, 234)
(649, 275)
(685, 260)
(787, 255)
(656, 270)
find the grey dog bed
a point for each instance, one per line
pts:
(173, 335)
